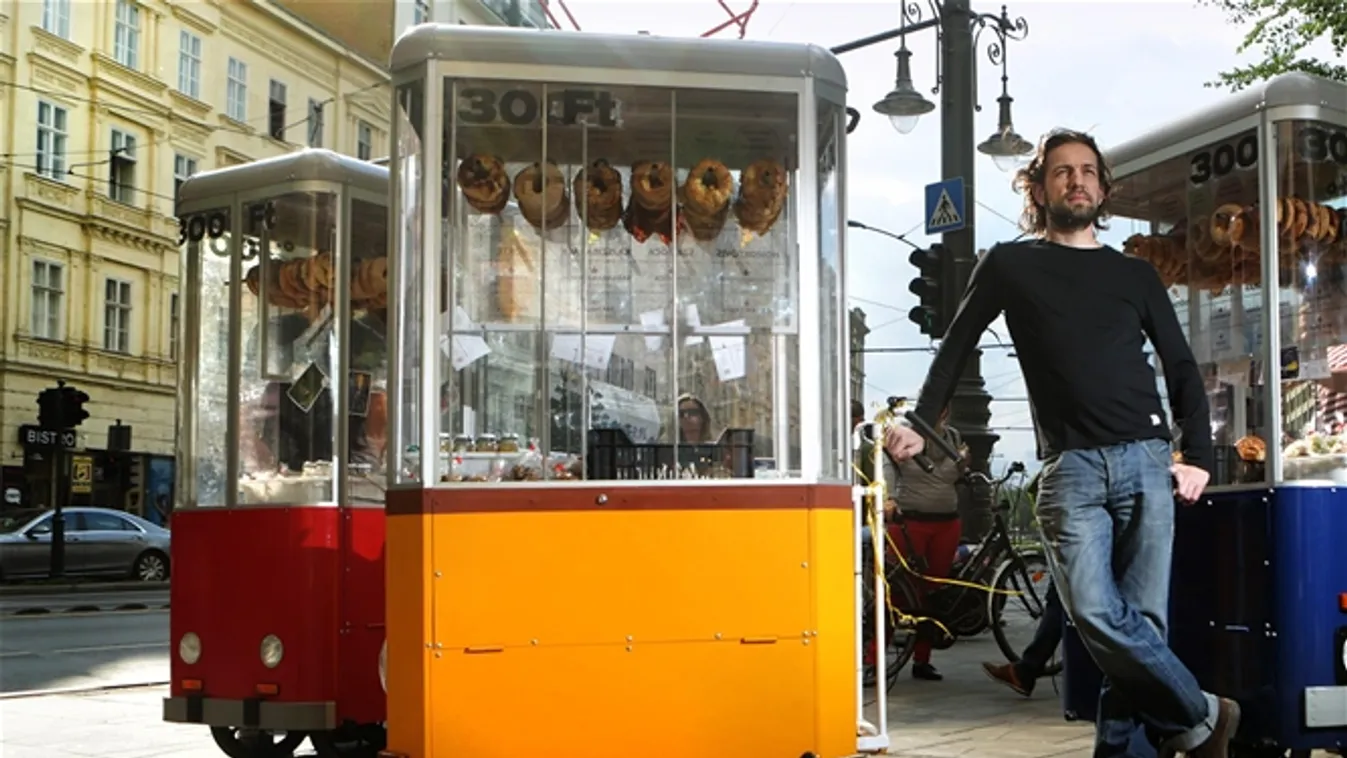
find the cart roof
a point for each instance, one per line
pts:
(487, 45)
(304, 165)
(1291, 89)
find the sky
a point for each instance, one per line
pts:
(1115, 69)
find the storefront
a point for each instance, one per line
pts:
(139, 483)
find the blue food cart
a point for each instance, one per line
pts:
(1242, 208)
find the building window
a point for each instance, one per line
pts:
(122, 168)
(184, 167)
(51, 136)
(173, 324)
(421, 14)
(189, 64)
(364, 141)
(56, 17)
(48, 297)
(126, 44)
(236, 105)
(316, 123)
(117, 316)
(276, 111)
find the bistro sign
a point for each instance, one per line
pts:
(36, 436)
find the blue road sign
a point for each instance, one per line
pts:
(945, 206)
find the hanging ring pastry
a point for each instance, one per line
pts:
(762, 195)
(598, 195)
(542, 196)
(650, 210)
(706, 198)
(484, 183)
(1226, 225)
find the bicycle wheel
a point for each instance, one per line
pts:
(902, 638)
(1015, 618)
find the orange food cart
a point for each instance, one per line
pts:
(620, 517)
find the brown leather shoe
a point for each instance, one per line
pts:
(1005, 674)
(1227, 723)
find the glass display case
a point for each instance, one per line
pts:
(286, 361)
(634, 282)
(1241, 210)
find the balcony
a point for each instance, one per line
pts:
(518, 12)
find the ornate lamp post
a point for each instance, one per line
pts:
(959, 36)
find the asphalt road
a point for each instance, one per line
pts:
(83, 650)
(63, 602)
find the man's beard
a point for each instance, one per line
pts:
(1062, 216)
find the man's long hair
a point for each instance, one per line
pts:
(1034, 219)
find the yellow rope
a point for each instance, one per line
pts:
(875, 493)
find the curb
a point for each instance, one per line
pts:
(77, 610)
(80, 690)
(19, 590)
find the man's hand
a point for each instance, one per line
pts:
(1189, 481)
(902, 442)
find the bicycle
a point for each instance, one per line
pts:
(978, 596)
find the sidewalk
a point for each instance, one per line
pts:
(970, 715)
(965, 715)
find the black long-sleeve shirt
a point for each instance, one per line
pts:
(1079, 318)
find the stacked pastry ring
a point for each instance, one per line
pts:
(306, 283)
(598, 195)
(1227, 248)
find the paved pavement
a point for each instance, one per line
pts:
(83, 650)
(965, 715)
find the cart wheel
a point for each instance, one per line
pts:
(237, 742)
(350, 741)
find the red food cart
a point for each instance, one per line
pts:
(277, 598)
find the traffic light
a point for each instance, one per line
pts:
(49, 409)
(61, 407)
(131, 477)
(933, 287)
(72, 407)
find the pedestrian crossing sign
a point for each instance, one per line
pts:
(945, 206)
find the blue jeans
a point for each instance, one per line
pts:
(1107, 517)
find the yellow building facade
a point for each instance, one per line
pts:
(105, 106)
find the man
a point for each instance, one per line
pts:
(1022, 675)
(1078, 313)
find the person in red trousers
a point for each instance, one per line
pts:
(927, 505)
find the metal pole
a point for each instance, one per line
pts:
(57, 518)
(970, 409)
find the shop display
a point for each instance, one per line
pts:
(484, 182)
(598, 196)
(1225, 248)
(542, 196)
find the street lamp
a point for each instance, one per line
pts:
(904, 105)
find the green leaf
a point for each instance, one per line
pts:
(1279, 32)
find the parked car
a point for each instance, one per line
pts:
(98, 542)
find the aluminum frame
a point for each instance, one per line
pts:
(236, 201)
(435, 78)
